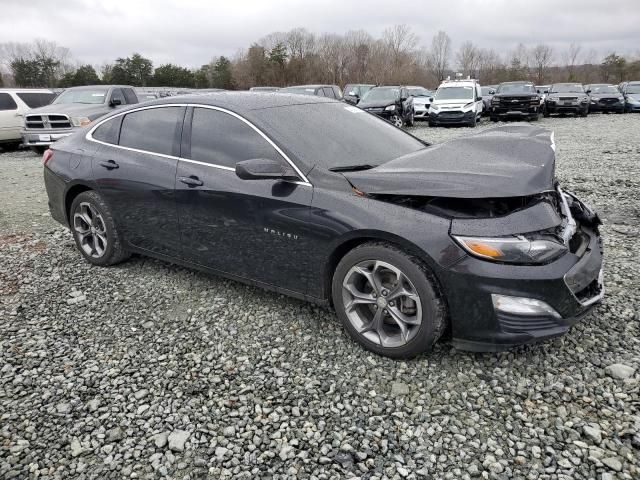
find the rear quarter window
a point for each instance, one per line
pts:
(130, 95)
(36, 99)
(108, 132)
(7, 102)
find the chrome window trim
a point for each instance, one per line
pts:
(89, 137)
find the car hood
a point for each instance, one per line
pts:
(421, 100)
(568, 94)
(515, 95)
(605, 95)
(635, 96)
(454, 103)
(507, 161)
(375, 103)
(75, 109)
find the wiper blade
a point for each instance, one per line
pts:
(351, 168)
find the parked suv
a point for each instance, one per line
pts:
(353, 92)
(631, 92)
(566, 98)
(457, 102)
(393, 103)
(515, 100)
(14, 103)
(605, 98)
(72, 109)
(329, 91)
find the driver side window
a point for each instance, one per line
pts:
(220, 139)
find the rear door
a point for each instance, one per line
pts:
(135, 170)
(10, 117)
(248, 228)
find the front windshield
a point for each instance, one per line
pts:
(299, 90)
(382, 94)
(349, 136)
(85, 95)
(454, 93)
(603, 89)
(633, 88)
(419, 92)
(516, 88)
(566, 88)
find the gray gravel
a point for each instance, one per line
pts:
(148, 370)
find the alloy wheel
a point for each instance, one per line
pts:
(382, 303)
(90, 229)
(396, 120)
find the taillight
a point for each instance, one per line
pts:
(47, 156)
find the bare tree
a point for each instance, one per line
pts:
(489, 66)
(541, 56)
(401, 43)
(359, 44)
(570, 60)
(468, 59)
(438, 57)
(519, 63)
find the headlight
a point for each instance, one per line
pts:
(511, 249)
(434, 107)
(584, 99)
(80, 121)
(390, 108)
(468, 106)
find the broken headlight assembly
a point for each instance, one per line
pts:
(519, 250)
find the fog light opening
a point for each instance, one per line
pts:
(523, 306)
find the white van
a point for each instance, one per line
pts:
(456, 102)
(14, 103)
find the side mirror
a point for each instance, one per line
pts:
(588, 92)
(115, 102)
(264, 169)
(546, 91)
(493, 92)
(431, 99)
(352, 94)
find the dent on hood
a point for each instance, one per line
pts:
(516, 160)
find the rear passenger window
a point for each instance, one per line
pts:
(154, 130)
(320, 93)
(108, 131)
(328, 92)
(222, 139)
(130, 95)
(7, 102)
(36, 99)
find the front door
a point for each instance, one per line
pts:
(135, 171)
(10, 118)
(248, 228)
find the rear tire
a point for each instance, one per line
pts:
(94, 230)
(412, 119)
(388, 300)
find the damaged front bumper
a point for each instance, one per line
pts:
(542, 301)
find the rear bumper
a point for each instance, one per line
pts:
(42, 138)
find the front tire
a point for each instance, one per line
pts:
(473, 121)
(396, 120)
(388, 301)
(412, 119)
(94, 230)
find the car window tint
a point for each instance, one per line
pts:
(130, 95)
(328, 92)
(117, 94)
(320, 93)
(222, 139)
(36, 99)
(153, 130)
(108, 131)
(7, 102)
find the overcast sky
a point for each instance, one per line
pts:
(191, 32)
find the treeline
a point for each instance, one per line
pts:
(300, 56)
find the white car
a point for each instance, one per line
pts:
(421, 101)
(14, 103)
(456, 102)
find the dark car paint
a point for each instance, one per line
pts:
(555, 103)
(404, 105)
(288, 236)
(452, 169)
(605, 102)
(519, 105)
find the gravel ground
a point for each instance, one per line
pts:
(147, 370)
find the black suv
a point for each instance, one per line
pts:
(353, 92)
(515, 100)
(566, 98)
(393, 103)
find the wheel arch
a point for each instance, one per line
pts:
(348, 243)
(71, 193)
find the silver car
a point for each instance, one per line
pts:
(422, 99)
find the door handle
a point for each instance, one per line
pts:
(109, 165)
(192, 181)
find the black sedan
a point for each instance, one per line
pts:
(605, 98)
(322, 201)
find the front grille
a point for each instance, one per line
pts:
(451, 115)
(47, 121)
(567, 99)
(608, 101)
(515, 102)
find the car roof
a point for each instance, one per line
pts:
(27, 90)
(245, 101)
(89, 87)
(317, 85)
(518, 82)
